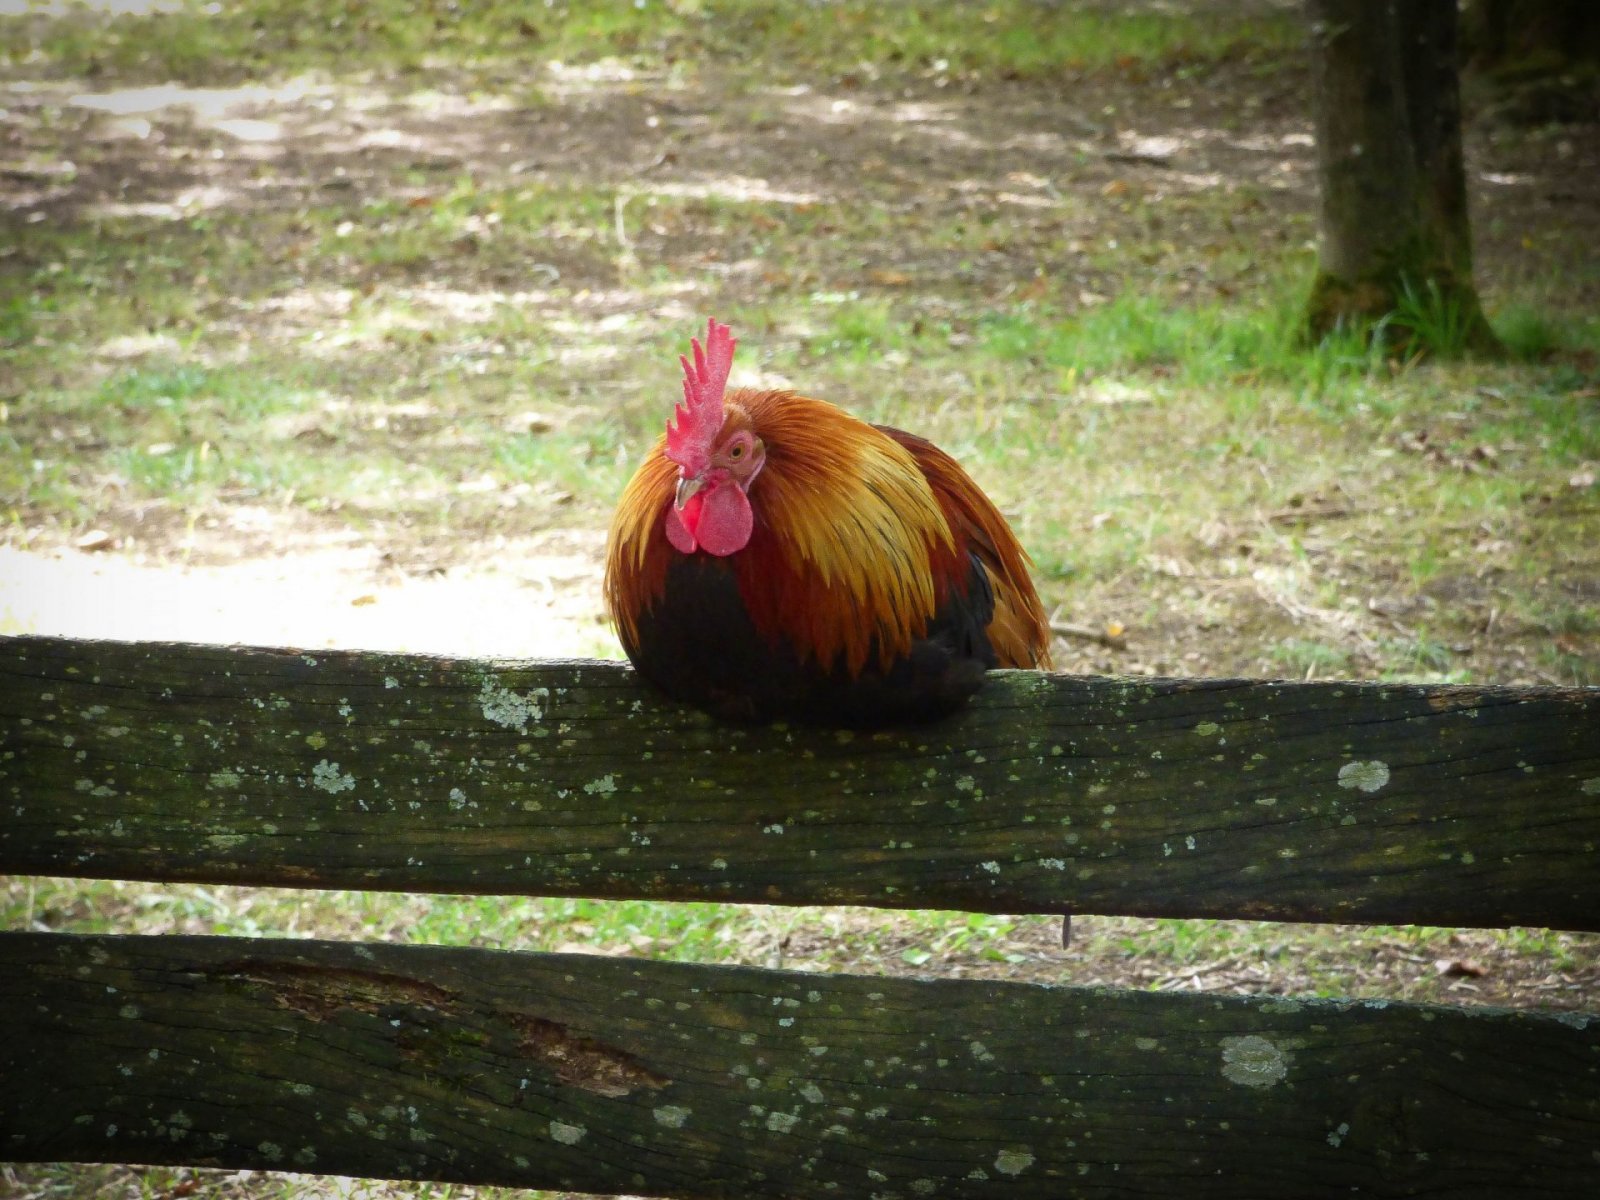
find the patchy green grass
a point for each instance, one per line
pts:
(1169, 431)
(379, 366)
(1008, 37)
(1160, 954)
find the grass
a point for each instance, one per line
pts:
(1111, 400)
(450, 351)
(1323, 960)
(1139, 410)
(1024, 38)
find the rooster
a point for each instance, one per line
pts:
(775, 557)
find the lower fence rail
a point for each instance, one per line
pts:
(616, 1075)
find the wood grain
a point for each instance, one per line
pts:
(616, 1076)
(1215, 798)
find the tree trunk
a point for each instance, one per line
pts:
(1395, 240)
(1428, 58)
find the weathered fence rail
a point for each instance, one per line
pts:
(605, 1075)
(1320, 801)
(1456, 806)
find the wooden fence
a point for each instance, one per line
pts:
(1217, 798)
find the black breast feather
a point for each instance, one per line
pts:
(698, 645)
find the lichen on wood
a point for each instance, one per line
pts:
(1294, 801)
(604, 1075)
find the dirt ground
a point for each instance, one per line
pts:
(1079, 157)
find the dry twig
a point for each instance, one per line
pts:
(1112, 635)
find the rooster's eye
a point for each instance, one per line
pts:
(736, 451)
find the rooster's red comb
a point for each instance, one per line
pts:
(697, 421)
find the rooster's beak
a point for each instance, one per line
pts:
(688, 485)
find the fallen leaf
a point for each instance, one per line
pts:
(887, 278)
(1455, 968)
(530, 422)
(1035, 289)
(363, 601)
(95, 539)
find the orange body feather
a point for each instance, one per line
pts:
(877, 584)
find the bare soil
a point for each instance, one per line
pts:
(1118, 157)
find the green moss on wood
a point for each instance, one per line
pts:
(583, 1073)
(1383, 803)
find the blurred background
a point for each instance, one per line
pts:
(343, 323)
